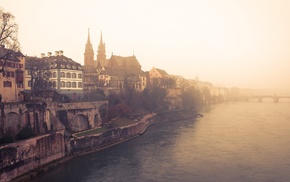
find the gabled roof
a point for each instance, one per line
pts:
(114, 72)
(120, 72)
(121, 61)
(162, 72)
(59, 61)
(103, 62)
(10, 54)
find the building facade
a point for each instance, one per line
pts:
(112, 72)
(66, 75)
(12, 66)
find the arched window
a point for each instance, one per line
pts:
(80, 85)
(62, 84)
(68, 84)
(62, 75)
(74, 75)
(74, 84)
(54, 74)
(79, 76)
(68, 75)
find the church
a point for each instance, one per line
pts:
(112, 73)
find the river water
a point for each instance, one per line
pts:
(233, 142)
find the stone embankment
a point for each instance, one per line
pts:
(79, 145)
(20, 157)
(25, 159)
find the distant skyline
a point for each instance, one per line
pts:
(233, 43)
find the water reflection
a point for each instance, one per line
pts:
(246, 141)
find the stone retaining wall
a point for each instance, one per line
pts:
(20, 157)
(107, 138)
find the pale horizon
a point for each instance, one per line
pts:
(234, 43)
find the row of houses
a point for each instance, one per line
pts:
(70, 78)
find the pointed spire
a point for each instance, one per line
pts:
(89, 52)
(101, 41)
(101, 50)
(89, 39)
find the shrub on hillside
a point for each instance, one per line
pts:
(6, 139)
(25, 133)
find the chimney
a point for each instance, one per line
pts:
(48, 54)
(56, 53)
(42, 55)
(60, 53)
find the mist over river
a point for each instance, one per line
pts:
(233, 142)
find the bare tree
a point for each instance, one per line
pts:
(40, 74)
(8, 37)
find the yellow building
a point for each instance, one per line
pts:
(12, 65)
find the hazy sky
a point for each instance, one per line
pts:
(244, 43)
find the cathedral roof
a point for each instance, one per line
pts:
(102, 62)
(119, 72)
(121, 61)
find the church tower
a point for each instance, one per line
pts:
(89, 52)
(101, 51)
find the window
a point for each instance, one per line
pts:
(80, 85)
(7, 84)
(62, 75)
(19, 85)
(79, 75)
(29, 83)
(68, 84)
(62, 84)
(12, 65)
(54, 84)
(54, 74)
(74, 75)
(74, 84)
(68, 75)
(10, 74)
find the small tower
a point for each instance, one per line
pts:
(101, 50)
(89, 52)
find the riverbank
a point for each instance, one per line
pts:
(92, 143)
(82, 145)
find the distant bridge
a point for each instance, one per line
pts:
(261, 97)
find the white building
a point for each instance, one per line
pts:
(66, 74)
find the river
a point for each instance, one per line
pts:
(233, 142)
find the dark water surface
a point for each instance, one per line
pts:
(233, 142)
